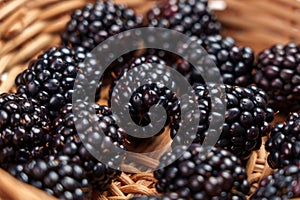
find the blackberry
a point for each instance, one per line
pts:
(278, 73)
(216, 175)
(24, 129)
(67, 141)
(153, 93)
(50, 78)
(247, 118)
(58, 176)
(234, 62)
(284, 142)
(190, 17)
(95, 23)
(284, 184)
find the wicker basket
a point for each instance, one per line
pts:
(28, 27)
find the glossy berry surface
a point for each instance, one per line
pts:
(284, 142)
(235, 63)
(68, 142)
(284, 184)
(24, 129)
(58, 176)
(94, 23)
(190, 17)
(247, 118)
(197, 175)
(278, 73)
(50, 78)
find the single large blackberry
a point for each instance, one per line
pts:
(24, 129)
(284, 185)
(68, 142)
(58, 176)
(284, 142)
(94, 23)
(234, 62)
(216, 175)
(278, 73)
(247, 118)
(186, 16)
(50, 78)
(152, 93)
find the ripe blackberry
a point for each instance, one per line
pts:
(278, 73)
(95, 23)
(24, 128)
(152, 93)
(58, 176)
(284, 142)
(190, 17)
(284, 185)
(50, 78)
(247, 118)
(67, 141)
(216, 175)
(234, 62)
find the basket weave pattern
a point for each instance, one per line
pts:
(28, 27)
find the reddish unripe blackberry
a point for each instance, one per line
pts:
(284, 185)
(58, 176)
(94, 23)
(67, 141)
(234, 62)
(247, 118)
(196, 175)
(50, 78)
(24, 129)
(278, 73)
(284, 142)
(190, 17)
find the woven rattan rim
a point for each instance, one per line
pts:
(29, 27)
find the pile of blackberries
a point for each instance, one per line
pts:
(41, 127)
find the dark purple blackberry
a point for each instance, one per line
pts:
(247, 118)
(95, 23)
(67, 141)
(190, 17)
(148, 95)
(216, 175)
(278, 73)
(283, 185)
(24, 129)
(58, 176)
(234, 62)
(50, 78)
(284, 142)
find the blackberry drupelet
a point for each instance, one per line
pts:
(190, 17)
(24, 129)
(284, 142)
(216, 175)
(95, 23)
(247, 118)
(235, 63)
(58, 176)
(278, 73)
(283, 185)
(50, 78)
(67, 141)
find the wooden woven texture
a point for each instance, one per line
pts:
(28, 27)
